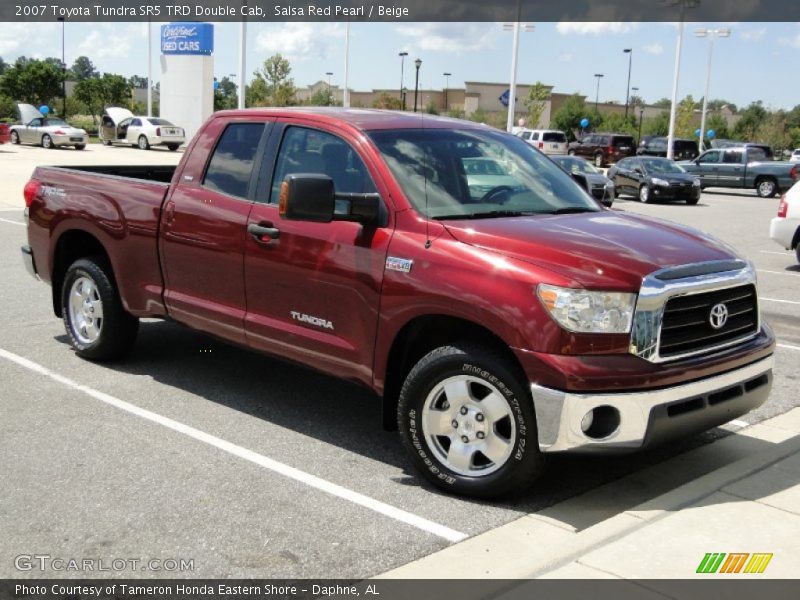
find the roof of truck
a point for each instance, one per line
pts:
(361, 118)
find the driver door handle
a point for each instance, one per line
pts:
(259, 232)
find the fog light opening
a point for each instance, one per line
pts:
(600, 422)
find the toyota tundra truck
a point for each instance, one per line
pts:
(498, 318)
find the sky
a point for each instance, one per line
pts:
(757, 62)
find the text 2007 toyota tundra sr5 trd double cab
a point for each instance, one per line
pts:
(499, 311)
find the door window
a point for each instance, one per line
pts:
(710, 157)
(732, 157)
(136, 123)
(231, 166)
(311, 151)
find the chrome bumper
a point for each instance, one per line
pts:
(647, 417)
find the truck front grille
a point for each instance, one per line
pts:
(688, 326)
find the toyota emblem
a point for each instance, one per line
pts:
(718, 316)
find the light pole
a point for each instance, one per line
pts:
(641, 118)
(417, 64)
(63, 71)
(330, 98)
(512, 88)
(446, 85)
(402, 56)
(629, 52)
(711, 34)
(684, 4)
(597, 95)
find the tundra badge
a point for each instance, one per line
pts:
(398, 264)
(317, 321)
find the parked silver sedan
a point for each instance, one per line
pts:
(48, 132)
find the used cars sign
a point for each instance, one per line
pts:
(187, 38)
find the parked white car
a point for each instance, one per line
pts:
(121, 126)
(795, 157)
(549, 141)
(41, 130)
(785, 228)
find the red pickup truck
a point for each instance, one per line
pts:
(500, 314)
(5, 133)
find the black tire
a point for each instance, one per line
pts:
(485, 369)
(692, 201)
(644, 195)
(766, 187)
(797, 253)
(14, 138)
(80, 146)
(47, 142)
(117, 327)
(106, 142)
(143, 143)
(598, 160)
(173, 147)
(571, 152)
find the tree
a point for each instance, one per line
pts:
(99, 92)
(536, 102)
(225, 95)
(717, 123)
(636, 100)
(618, 123)
(658, 125)
(384, 100)
(82, 68)
(137, 81)
(275, 80)
(32, 81)
(3, 65)
(569, 115)
(752, 118)
(663, 103)
(322, 97)
(684, 118)
(719, 104)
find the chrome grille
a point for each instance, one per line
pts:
(686, 325)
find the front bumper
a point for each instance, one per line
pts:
(637, 419)
(782, 230)
(675, 193)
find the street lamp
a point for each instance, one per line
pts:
(417, 64)
(446, 85)
(597, 96)
(402, 56)
(512, 88)
(641, 118)
(629, 52)
(711, 34)
(63, 71)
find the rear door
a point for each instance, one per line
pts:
(313, 289)
(134, 129)
(203, 227)
(730, 171)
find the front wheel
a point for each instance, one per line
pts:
(80, 146)
(14, 137)
(47, 142)
(644, 194)
(143, 143)
(571, 152)
(466, 419)
(692, 201)
(766, 188)
(98, 326)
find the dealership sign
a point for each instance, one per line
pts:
(187, 38)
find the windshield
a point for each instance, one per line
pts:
(58, 122)
(662, 166)
(575, 165)
(452, 173)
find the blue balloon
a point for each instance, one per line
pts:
(44, 109)
(697, 133)
(711, 134)
(216, 84)
(584, 123)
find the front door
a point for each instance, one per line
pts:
(203, 229)
(708, 167)
(313, 289)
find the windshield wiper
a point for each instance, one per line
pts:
(491, 214)
(572, 210)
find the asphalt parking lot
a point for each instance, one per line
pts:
(195, 450)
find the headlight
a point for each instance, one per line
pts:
(661, 182)
(583, 311)
(696, 183)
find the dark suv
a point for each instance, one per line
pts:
(657, 146)
(604, 148)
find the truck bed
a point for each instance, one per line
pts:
(160, 173)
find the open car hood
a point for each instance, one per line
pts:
(28, 112)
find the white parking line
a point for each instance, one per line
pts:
(778, 272)
(788, 346)
(740, 423)
(253, 457)
(14, 222)
(778, 253)
(776, 300)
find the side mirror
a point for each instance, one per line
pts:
(311, 197)
(638, 170)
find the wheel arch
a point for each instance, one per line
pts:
(70, 246)
(419, 336)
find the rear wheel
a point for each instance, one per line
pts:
(80, 146)
(143, 143)
(106, 142)
(173, 147)
(98, 326)
(766, 187)
(692, 201)
(466, 419)
(14, 137)
(644, 194)
(47, 142)
(598, 160)
(571, 152)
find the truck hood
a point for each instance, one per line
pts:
(602, 250)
